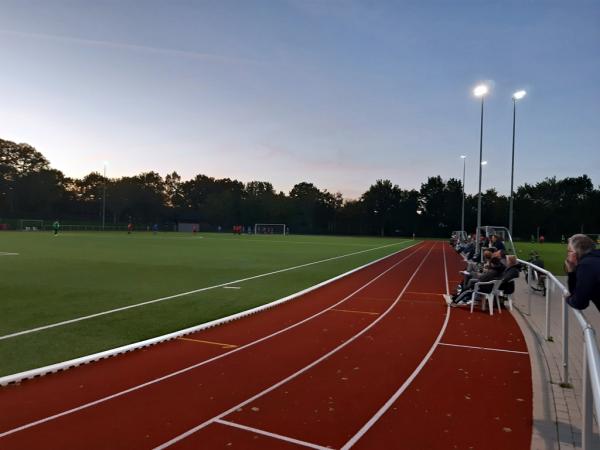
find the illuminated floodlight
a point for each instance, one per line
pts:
(480, 90)
(483, 163)
(519, 95)
(463, 156)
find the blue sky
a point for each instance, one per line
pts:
(338, 93)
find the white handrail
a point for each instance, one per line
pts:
(591, 357)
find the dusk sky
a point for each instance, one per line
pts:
(337, 93)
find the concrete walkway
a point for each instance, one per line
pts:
(557, 410)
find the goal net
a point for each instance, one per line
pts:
(32, 225)
(270, 228)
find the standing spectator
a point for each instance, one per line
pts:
(583, 269)
(542, 239)
(56, 227)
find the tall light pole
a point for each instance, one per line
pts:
(104, 197)
(462, 220)
(516, 96)
(480, 91)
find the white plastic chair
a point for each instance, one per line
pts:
(489, 297)
(499, 293)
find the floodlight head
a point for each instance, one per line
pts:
(481, 90)
(483, 163)
(463, 156)
(519, 95)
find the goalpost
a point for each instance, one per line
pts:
(32, 225)
(270, 228)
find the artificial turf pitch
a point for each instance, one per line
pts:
(74, 274)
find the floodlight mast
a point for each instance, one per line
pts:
(516, 96)
(480, 91)
(104, 197)
(462, 220)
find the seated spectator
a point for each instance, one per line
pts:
(512, 271)
(494, 271)
(583, 270)
(497, 243)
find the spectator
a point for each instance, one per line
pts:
(494, 272)
(496, 242)
(583, 269)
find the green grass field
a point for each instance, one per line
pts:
(553, 254)
(74, 274)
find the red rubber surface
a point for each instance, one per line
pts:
(463, 397)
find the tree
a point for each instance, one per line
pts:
(380, 201)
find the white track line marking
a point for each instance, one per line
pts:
(8, 254)
(297, 373)
(202, 363)
(445, 269)
(484, 348)
(195, 291)
(272, 435)
(367, 426)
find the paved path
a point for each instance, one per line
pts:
(557, 410)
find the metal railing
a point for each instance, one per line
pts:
(591, 355)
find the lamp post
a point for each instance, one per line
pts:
(104, 197)
(516, 96)
(462, 220)
(480, 91)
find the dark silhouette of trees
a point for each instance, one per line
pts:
(30, 188)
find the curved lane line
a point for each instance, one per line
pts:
(202, 363)
(299, 372)
(367, 426)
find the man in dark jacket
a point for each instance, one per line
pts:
(583, 269)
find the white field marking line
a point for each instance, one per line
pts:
(8, 254)
(64, 365)
(195, 291)
(484, 348)
(272, 435)
(202, 363)
(297, 373)
(231, 287)
(367, 426)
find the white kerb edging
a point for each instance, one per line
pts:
(41, 371)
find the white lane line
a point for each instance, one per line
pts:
(297, 373)
(446, 270)
(272, 435)
(8, 254)
(484, 348)
(367, 426)
(202, 363)
(195, 291)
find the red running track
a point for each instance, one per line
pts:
(374, 360)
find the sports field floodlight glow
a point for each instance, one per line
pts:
(481, 90)
(519, 95)
(463, 156)
(483, 163)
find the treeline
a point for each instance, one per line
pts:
(31, 189)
